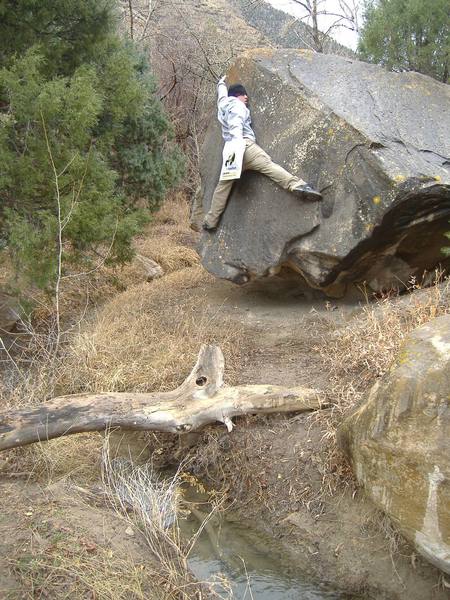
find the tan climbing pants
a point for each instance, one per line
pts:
(255, 159)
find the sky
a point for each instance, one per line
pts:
(341, 34)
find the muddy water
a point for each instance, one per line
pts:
(254, 565)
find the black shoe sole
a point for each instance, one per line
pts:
(309, 195)
(312, 196)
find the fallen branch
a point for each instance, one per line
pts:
(201, 399)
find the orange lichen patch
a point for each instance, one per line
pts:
(376, 199)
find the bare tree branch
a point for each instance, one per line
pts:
(316, 10)
(130, 6)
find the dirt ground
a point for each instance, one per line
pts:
(57, 544)
(280, 473)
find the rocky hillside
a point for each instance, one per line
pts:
(282, 29)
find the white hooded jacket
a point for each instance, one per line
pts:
(233, 115)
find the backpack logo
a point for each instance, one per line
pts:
(230, 160)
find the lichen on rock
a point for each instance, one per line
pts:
(398, 441)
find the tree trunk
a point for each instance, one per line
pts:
(200, 399)
(315, 26)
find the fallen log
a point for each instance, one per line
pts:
(200, 399)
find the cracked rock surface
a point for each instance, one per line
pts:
(375, 144)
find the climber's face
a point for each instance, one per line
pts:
(243, 99)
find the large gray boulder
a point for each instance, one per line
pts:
(375, 143)
(398, 441)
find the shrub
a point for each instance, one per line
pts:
(87, 152)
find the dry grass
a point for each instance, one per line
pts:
(65, 548)
(171, 257)
(35, 371)
(148, 338)
(168, 240)
(70, 567)
(151, 503)
(76, 457)
(60, 546)
(33, 367)
(172, 219)
(153, 347)
(354, 356)
(359, 353)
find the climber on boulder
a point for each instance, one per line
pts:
(241, 152)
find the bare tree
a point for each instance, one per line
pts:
(138, 16)
(338, 14)
(323, 17)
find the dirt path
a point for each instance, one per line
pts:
(281, 319)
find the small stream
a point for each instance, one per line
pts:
(228, 548)
(254, 564)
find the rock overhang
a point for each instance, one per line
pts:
(375, 144)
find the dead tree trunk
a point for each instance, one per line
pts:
(200, 399)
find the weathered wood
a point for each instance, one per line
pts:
(201, 399)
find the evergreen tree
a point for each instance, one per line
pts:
(411, 35)
(86, 151)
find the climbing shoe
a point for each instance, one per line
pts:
(307, 192)
(208, 227)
